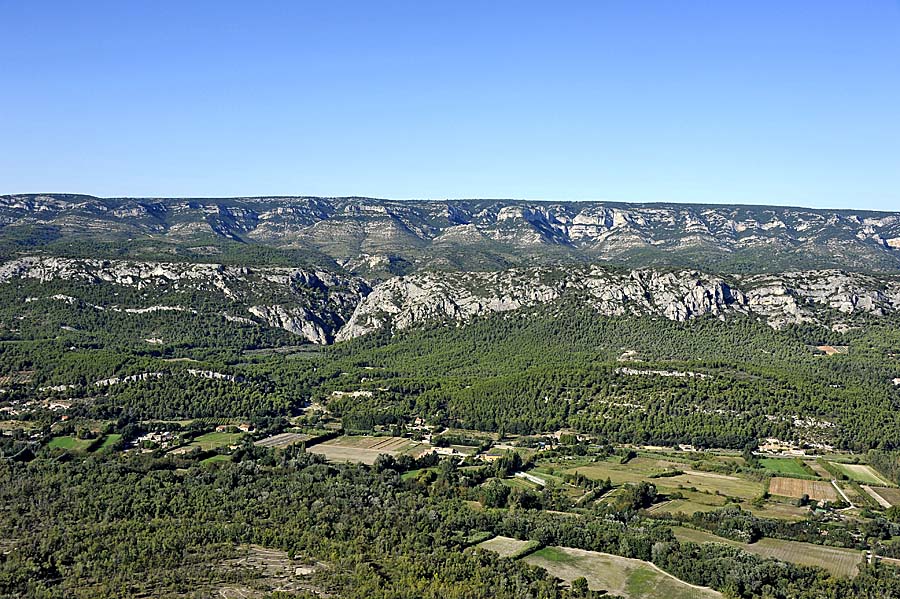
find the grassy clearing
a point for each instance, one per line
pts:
(505, 546)
(629, 578)
(70, 443)
(860, 473)
(797, 488)
(785, 466)
(837, 560)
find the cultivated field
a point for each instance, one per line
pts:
(860, 473)
(883, 495)
(837, 560)
(797, 488)
(629, 578)
(283, 440)
(365, 450)
(504, 546)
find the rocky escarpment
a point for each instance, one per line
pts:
(823, 297)
(312, 304)
(323, 307)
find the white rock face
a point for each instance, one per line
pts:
(403, 302)
(294, 320)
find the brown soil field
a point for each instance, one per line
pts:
(795, 487)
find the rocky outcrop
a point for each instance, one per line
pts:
(795, 297)
(403, 302)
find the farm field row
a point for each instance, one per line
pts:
(837, 560)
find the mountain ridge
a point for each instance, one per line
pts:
(382, 237)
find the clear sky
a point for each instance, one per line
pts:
(775, 102)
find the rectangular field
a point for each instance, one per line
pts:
(860, 473)
(837, 560)
(797, 488)
(365, 450)
(784, 466)
(624, 577)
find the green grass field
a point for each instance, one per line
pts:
(110, 440)
(785, 466)
(216, 458)
(837, 560)
(629, 578)
(70, 443)
(211, 441)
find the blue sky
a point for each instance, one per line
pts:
(752, 102)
